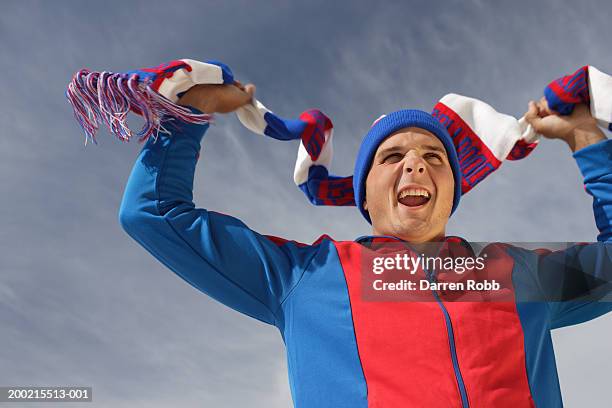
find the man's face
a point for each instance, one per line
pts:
(410, 187)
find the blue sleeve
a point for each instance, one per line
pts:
(595, 163)
(215, 253)
(579, 279)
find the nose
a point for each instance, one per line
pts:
(414, 164)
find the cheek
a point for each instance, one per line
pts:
(378, 185)
(445, 184)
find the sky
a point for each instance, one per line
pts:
(81, 303)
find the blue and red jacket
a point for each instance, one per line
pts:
(346, 352)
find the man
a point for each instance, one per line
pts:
(343, 351)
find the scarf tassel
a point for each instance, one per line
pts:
(107, 98)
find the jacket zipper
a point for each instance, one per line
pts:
(451, 340)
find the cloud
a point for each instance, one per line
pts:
(81, 303)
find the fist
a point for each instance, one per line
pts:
(550, 124)
(578, 130)
(223, 98)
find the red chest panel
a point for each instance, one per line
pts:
(405, 352)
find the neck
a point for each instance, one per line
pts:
(415, 240)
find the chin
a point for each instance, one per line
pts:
(412, 229)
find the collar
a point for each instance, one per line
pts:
(452, 244)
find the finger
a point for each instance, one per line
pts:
(532, 110)
(542, 105)
(544, 108)
(245, 96)
(532, 116)
(250, 90)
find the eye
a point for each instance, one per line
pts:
(433, 157)
(393, 158)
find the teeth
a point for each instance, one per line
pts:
(414, 192)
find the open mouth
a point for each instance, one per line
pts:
(413, 197)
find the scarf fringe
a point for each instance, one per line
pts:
(107, 98)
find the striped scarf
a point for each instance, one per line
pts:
(483, 137)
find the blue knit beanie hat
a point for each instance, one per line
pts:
(383, 128)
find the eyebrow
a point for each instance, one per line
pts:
(394, 149)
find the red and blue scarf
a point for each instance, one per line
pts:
(483, 137)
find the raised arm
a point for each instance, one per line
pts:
(215, 253)
(578, 280)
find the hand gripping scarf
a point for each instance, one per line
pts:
(483, 137)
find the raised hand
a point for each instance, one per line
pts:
(218, 98)
(578, 130)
